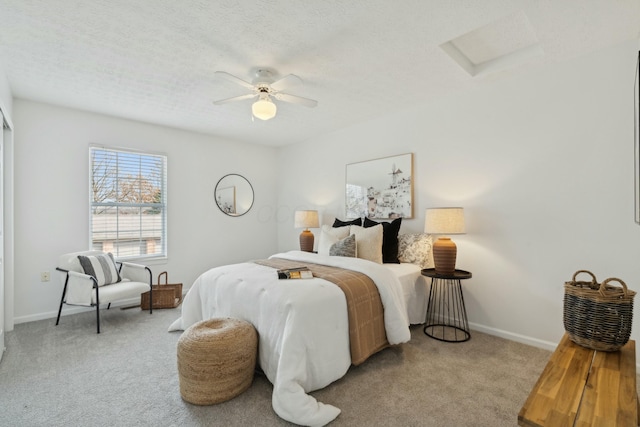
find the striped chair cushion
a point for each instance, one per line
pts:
(101, 267)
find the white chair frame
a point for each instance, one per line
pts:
(133, 276)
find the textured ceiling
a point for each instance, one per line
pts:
(153, 60)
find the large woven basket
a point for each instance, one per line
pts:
(598, 316)
(165, 295)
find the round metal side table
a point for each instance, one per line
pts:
(446, 312)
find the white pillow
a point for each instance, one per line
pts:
(330, 235)
(368, 242)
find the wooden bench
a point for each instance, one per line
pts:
(582, 387)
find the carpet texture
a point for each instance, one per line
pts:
(68, 375)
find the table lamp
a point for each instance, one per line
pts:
(444, 221)
(306, 220)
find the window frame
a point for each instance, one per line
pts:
(163, 205)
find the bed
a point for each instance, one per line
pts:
(303, 326)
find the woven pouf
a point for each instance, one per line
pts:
(216, 360)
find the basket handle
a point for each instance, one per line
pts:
(612, 279)
(166, 277)
(594, 281)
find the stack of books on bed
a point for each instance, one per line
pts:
(295, 273)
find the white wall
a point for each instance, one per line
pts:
(542, 164)
(51, 197)
(6, 98)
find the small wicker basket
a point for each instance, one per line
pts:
(598, 316)
(164, 295)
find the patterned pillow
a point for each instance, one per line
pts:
(414, 248)
(329, 236)
(102, 267)
(345, 247)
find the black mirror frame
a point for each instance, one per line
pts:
(220, 207)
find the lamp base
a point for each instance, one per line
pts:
(306, 241)
(444, 255)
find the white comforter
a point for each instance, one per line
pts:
(302, 325)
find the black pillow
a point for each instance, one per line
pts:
(338, 223)
(390, 232)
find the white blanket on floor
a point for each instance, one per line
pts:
(302, 325)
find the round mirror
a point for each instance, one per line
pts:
(234, 195)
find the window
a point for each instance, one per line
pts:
(128, 203)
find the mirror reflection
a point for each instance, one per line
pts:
(234, 195)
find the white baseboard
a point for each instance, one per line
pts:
(69, 309)
(534, 342)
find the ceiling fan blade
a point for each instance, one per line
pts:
(287, 82)
(234, 79)
(296, 99)
(235, 98)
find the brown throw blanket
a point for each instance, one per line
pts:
(366, 315)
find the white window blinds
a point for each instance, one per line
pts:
(128, 203)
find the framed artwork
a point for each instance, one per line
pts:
(380, 188)
(226, 199)
(636, 116)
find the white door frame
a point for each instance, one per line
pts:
(6, 311)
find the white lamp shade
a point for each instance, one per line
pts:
(264, 109)
(306, 219)
(444, 221)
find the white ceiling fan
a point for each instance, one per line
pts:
(263, 87)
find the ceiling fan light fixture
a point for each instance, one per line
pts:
(264, 109)
(265, 89)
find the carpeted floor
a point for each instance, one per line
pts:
(126, 376)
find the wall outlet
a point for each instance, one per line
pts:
(45, 276)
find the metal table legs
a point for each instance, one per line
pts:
(446, 312)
